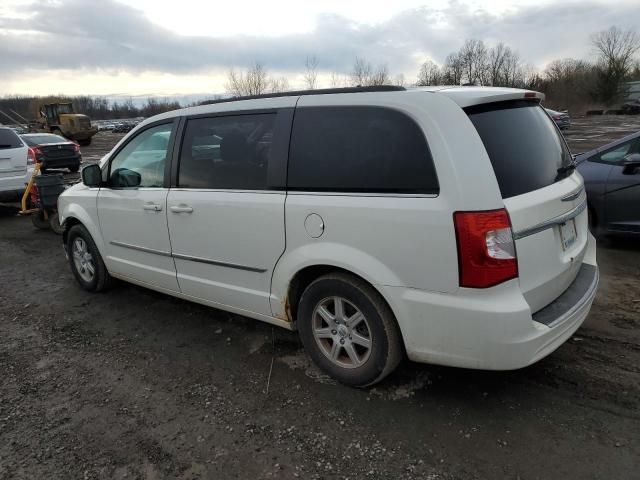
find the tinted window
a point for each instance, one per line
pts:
(230, 152)
(523, 144)
(141, 162)
(9, 139)
(43, 139)
(359, 149)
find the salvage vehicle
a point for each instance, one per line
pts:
(53, 151)
(562, 119)
(14, 164)
(612, 180)
(444, 223)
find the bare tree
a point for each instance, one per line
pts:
(429, 74)
(453, 70)
(399, 80)
(254, 81)
(278, 85)
(337, 80)
(362, 72)
(473, 57)
(365, 75)
(616, 49)
(311, 72)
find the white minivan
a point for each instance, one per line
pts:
(14, 164)
(445, 224)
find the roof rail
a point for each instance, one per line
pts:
(320, 91)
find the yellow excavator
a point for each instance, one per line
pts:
(60, 119)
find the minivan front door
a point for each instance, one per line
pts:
(226, 220)
(132, 210)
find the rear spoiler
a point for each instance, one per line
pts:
(470, 96)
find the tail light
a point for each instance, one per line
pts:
(486, 249)
(76, 147)
(34, 155)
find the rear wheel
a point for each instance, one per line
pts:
(348, 330)
(57, 131)
(85, 261)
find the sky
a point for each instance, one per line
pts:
(159, 47)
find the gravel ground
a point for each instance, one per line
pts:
(136, 384)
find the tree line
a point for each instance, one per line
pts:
(95, 107)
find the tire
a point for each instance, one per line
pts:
(38, 220)
(74, 169)
(322, 331)
(57, 131)
(54, 223)
(84, 143)
(80, 243)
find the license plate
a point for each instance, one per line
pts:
(568, 234)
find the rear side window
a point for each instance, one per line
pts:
(229, 152)
(525, 148)
(359, 149)
(9, 139)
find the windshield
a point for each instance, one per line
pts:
(526, 150)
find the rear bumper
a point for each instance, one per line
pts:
(491, 329)
(65, 162)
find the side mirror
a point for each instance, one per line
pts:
(92, 175)
(125, 178)
(631, 163)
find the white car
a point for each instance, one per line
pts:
(446, 224)
(15, 164)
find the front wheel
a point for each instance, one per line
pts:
(85, 261)
(348, 330)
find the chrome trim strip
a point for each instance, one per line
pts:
(573, 195)
(363, 194)
(141, 249)
(559, 220)
(591, 292)
(191, 258)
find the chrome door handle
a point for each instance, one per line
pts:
(181, 209)
(153, 207)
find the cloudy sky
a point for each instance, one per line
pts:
(160, 47)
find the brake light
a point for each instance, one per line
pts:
(76, 147)
(486, 249)
(33, 155)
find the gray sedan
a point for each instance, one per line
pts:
(612, 179)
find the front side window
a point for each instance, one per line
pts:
(616, 155)
(228, 152)
(141, 163)
(359, 149)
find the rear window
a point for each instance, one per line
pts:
(524, 145)
(43, 139)
(9, 139)
(359, 149)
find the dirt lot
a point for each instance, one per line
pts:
(134, 384)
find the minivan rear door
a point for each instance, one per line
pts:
(542, 193)
(13, 160)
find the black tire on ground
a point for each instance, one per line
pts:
(38, 220)
(74, 169)
(323, 339)
(84, 143)
(54, 222)
(100, 280)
